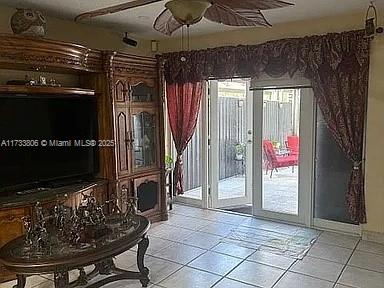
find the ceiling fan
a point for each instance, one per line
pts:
(188, 12)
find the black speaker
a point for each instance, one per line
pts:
(129, 41)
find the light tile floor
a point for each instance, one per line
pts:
(186, 252)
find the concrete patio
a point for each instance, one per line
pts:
(280, 192)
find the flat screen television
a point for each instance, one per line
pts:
(44, 138)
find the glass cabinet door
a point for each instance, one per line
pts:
(143, 92)
(144, 139)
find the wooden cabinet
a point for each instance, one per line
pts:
(137, 112)
(11, 227)
(147, 190)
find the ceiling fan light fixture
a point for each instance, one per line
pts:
(188, 12)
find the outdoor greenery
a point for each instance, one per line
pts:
(169, 162)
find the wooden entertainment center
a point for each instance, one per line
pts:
(130, 113)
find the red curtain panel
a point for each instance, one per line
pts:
(183, 102)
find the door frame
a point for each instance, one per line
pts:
(307, 131)
(214, 201)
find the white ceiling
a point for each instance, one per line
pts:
(139, 21)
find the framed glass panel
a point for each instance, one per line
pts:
(143, 93)
(144, 143)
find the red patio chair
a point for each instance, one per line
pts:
(293, 144)
(273, 161)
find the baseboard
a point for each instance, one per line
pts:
(339, 227)
(372, 236)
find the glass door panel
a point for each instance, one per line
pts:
(195, 162)
(231, 145)
(281, 138)
(283, 149)
(144, 139)
(192, 163)
(143, 93)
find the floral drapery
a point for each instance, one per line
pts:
(183, 102)
(337, 65)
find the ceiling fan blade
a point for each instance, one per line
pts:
(115, 9)
(165, 23)
(252, 4)
(240, 17)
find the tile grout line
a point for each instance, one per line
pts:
(346, 264)
(285, 272)
(184, 265)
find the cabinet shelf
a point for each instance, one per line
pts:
(45, 90)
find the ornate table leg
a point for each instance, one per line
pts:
(61, 279)
(143, 246)
(21, 280)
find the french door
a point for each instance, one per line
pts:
(283, 153)
(230, 139)
(226, 164)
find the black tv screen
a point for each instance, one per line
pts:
(44, 138)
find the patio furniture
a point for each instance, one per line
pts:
(273, 161)
(293, 144)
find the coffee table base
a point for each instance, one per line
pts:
(106, 267)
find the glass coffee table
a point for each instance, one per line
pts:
(60, 257)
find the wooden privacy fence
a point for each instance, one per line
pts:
(277, 121)
(277, 125)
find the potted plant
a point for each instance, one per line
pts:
(240, 151)
(169, 162)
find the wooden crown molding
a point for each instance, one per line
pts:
(32, 53)
(123, 63)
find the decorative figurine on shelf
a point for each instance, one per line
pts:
(28, 22)
(42, 80)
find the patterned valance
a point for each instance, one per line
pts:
(274, 58)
